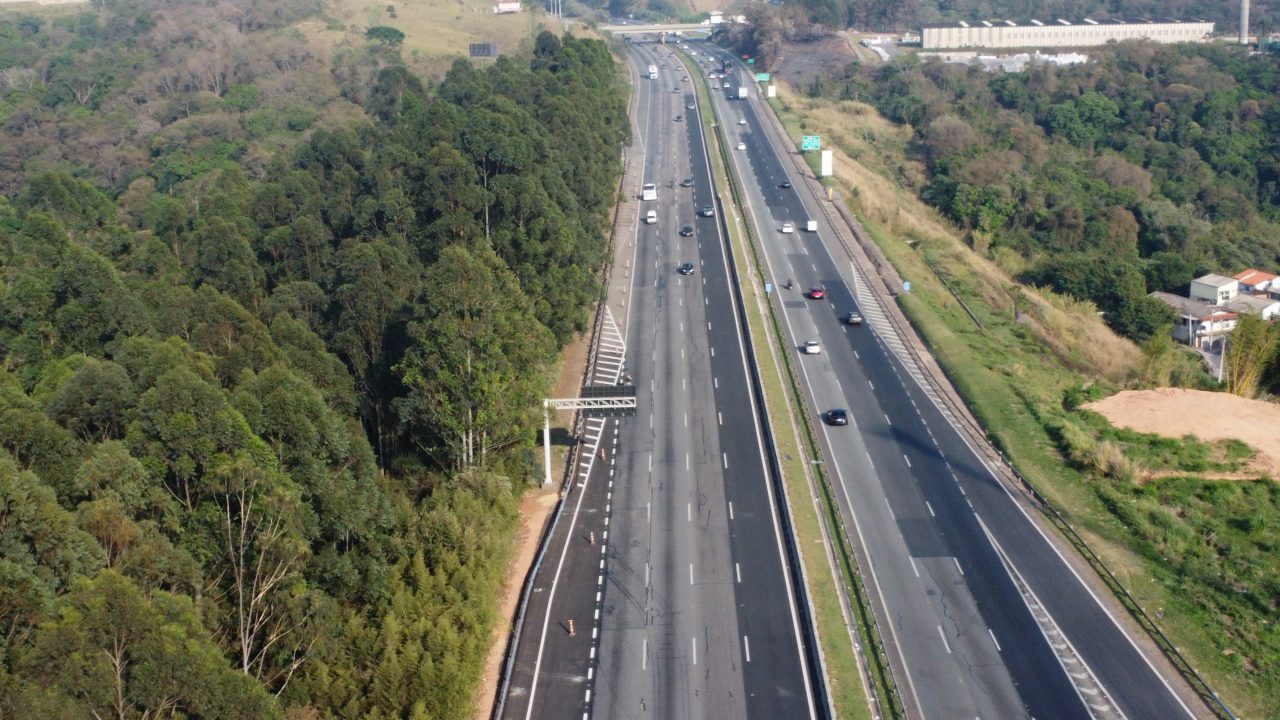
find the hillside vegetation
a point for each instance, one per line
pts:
(272, 334)
(1105, 181)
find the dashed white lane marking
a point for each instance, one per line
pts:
(931, 512)
(993, 639)
(737, 572)
(943, 635)
(746, 647)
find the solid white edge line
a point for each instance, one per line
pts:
(764, 464)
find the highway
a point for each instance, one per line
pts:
(685, 608)
(983, 617)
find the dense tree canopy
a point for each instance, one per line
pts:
(1129, 174)
(265, 406)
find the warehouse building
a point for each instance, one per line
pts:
(1060, 33)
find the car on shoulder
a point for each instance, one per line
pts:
(707, 211)
(685, 268)
(853, 318)
(788, 228)
(686, 231)
(817, 293)
(687, 182)
(684, 79)
(837, 416)
(812, 347)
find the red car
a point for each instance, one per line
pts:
(817, 293)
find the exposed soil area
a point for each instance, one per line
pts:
(535, 511)
(1174, 412)
(800, 63)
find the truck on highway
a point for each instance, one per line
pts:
(653, 72)
(742, 92)
(649, 192)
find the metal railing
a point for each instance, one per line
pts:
(571, 461)
(990, 447)
(887, 702)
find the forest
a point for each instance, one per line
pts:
(273, 325)
(1129, 174)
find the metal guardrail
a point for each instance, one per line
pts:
(571, 462)
(991, 447)
(871, 632)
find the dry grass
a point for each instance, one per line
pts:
(437, 31)
(871, 165)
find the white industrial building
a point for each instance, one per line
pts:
(1060, 33)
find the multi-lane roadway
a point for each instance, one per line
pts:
(683, 596)
(984, 617)
(690, 610)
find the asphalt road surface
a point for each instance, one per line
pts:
(935, 522)
(690, 611)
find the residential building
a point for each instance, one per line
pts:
(1214, 289)
(1256, 282)
(1060, 33)
(1200, 324)
(1265, 307)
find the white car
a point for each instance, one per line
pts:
(788, 228)
(742, 121)
(812, 348)
(742, 146)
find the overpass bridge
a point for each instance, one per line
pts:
(656, 29)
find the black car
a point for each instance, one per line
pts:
(707, 211)
(838, 416)
(679, 118)
(686, 231)
(685, 268)
(687, 182)
(786, 185)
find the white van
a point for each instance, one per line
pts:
(649, 192)
(651, 217)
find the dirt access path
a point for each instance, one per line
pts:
(535, 511)
(1174, 412)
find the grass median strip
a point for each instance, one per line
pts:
(830, 575)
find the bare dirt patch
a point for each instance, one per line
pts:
(799, 63)
(535, 511)
(1208, 416)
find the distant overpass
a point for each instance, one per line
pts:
(641, 29)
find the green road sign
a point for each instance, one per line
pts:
(762, 77)
(810, 142)
(751, 61)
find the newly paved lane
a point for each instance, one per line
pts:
(698, 619)
(686, 608)
(936, 524)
